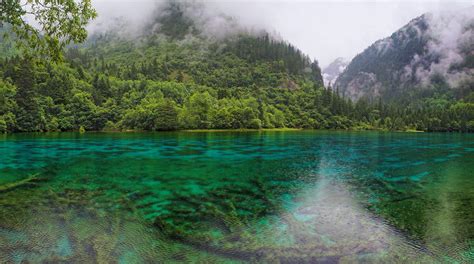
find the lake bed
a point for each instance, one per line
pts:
(287, 196)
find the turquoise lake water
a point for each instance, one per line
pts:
(213, 197)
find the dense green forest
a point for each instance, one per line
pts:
(178, 79)
(175, 90)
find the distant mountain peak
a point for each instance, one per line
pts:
(332, 71)
(429, 49)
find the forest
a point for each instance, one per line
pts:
(177, 79)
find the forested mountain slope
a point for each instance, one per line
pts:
(431, 54)
(179, 72)
(171, 75)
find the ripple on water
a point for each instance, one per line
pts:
(301, 196)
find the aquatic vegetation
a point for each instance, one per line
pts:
(232, 197)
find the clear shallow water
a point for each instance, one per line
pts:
(257, 196)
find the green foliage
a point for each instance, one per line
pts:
(61, 22)
(167, 116)
(38, 96)
(83, 111)
(255, 123)
(3, 125)
(7, 97)
(152, 114)
(170, 83)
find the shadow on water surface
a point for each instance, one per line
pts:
(229, 197)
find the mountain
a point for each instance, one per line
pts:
(333, 70)
(187, 68)
(183, 39)
(183, 69)
(432, 52)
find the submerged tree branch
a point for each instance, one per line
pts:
(13, 185)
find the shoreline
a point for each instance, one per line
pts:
(240, 130)
(243, 130)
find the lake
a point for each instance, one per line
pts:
(296, 196)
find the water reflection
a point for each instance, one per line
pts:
(331, 219)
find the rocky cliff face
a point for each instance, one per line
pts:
(430, 50)
(333, 70)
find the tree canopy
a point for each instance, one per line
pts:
(45, 27)
(165, 82)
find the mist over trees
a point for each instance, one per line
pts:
(174, 77)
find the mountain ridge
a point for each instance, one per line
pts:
(420, 55)
(183, 78)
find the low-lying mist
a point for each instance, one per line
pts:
(451, 42)
(138, 18)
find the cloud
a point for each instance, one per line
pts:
(134, 18)
(450, 39)
(125, 16)
(324, 30)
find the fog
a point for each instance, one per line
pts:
(452, 37)
(324, 30)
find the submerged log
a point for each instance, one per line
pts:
(12, 185)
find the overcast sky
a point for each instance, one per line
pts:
(324, 30)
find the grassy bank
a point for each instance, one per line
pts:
(242, 130)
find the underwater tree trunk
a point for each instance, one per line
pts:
(12, 185)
